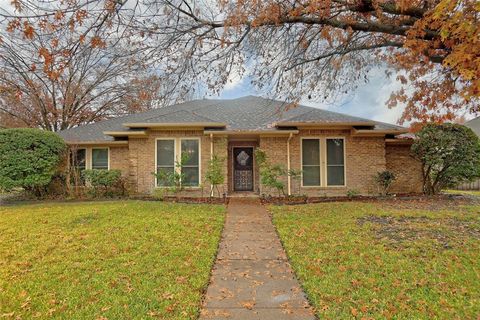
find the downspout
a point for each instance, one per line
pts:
(289, 178)
(211, 158)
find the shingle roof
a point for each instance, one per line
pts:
(243, 114)
(474, 124)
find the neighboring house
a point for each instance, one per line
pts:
(474, 124)
(335, 152)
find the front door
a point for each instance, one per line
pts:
(243, 169)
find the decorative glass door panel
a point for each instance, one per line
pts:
(243, 169)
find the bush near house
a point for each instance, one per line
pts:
(384, 180)
(29, 158)
(450, 155)
(105, 182)
(270, 174)
(214, 175)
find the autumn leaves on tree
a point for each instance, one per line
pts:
(322, 49)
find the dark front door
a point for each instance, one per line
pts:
(243, 169)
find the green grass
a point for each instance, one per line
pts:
(467, 192)
(353, 264)
(106, 260)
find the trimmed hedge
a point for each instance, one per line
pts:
(29, 158)
(106, 182)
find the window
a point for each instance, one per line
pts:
(165, 160)
(311, 162)
(335, 162)
(79, 164)
(190, 167)
(79, 158)
(100, 159)
(172, 151)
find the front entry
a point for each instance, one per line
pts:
(243, 168)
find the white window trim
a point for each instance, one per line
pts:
(344, 163)
(177, 149)
(320, 162)
(90, 157)
(323, 161)
(156, 160)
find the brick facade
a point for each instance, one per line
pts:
(119, 159)
(364, 157)
(408, 171)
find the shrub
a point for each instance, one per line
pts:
(352, 193)
(105, 182)
(449, 153)
(29, 158)
(384, 180)
(172, 181)
(270, 174)
(214, 175)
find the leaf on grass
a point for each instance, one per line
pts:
(354, 312)
(248, 304)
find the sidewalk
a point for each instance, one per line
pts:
(252, 278)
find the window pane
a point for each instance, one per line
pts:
(335, 151)
(190, 176)
(190, 151)
(79, 157)
(311, 152)
(335, 176)
(165, 176)
(99, 158)
(311, 175)
(166, 153)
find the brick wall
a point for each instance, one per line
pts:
(119, 159)
(142, 159)
(407, 170)
(364, 156)
(276, 151)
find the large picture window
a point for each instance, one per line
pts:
(311, 162)
(190, 167)
(184, 151)
(323, 162)
(165, 160)
(335, 162)
(100, 158)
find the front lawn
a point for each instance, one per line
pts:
(385, 260)
(108, 260)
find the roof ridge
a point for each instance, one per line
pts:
(315, 108)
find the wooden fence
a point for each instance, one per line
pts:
(475, 185)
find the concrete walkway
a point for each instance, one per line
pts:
(252, 278)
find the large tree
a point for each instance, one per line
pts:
(67, 69)
(319, 48)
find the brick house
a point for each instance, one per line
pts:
(334, 152)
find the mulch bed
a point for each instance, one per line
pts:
(399, 231)
(402, 201)
(193, 200)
